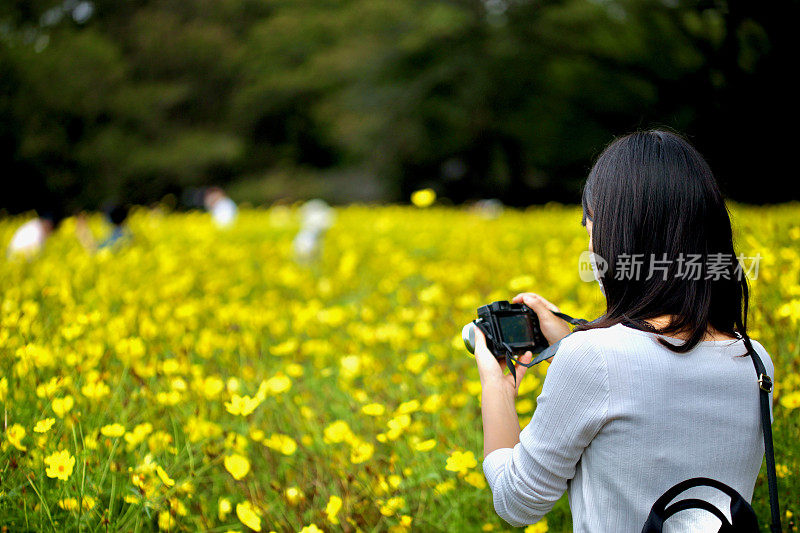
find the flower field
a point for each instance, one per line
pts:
(198, 379)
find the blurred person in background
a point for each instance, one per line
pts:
(116, 215)
(223, 210)
(29, 239)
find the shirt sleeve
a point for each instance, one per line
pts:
(526, 481)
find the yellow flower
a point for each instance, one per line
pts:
(113, 430)
(425, 445)
(237, 465)
(43, 426)
(71, 504)
(274, 385)
(373, 409)
(361, 452)
(212, 386)
(242, 405)
(791, 400)
(68, 504)
(408, 407)
(294, 370)
(415, 363)
(475, 479)
(294, 495)
(62, 406)
(538, 527)
(461, 462)
(445, 486)
(423, 197)
(59, 465)
(525, 406)
(281, 443)
(139, 433)
(311, 528)
(333, 508)
(164, 477)
(166, 521)
(95, 390)
(15, 433)
(336, 432)
(391, 506)
(224, 508)
(247, 515)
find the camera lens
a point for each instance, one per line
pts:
(468, 336)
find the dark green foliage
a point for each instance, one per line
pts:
(493, 98)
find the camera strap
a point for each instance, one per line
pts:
(547, 353)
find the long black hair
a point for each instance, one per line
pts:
(653, 201)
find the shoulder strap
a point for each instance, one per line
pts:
(764, 388)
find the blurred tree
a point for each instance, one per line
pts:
(478, 98)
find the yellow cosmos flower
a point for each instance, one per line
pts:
(425, 445)
(211, 387)
(294, 495)
(391, 506)
(461, 462)
(281, 443)
(408, 407)
(445, 486)
(62, 406)
(311, 528)
(15, 433)
(278, 384)
(224, 508)
(538, 527)
(476, 479)
(524, 406)
(333, 508)
(373, 409)
(166, 521)
(361, 452)
(96, 390)
(139, 433)
(338, 431)
(247, 515)
(791, 400)
(242, 405)
(59, 465)
(43, 426)
(416, 363)
(113, 430)
(71, 504)
(237, 465)
(423, 197)
(164, 477)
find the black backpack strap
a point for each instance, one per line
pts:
(764, 388)
(693, 503)
(742, 514)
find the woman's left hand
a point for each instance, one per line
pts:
(492, 371)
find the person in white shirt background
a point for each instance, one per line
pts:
(656, 390)
(30, 237)
(223, 210)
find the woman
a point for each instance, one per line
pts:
(657, 389)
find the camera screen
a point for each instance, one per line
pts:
(516, 328)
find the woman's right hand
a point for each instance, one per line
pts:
(553, 328)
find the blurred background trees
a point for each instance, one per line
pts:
(129, 100)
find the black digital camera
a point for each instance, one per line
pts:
(508, 328)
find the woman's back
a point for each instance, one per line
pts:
(621, 418)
